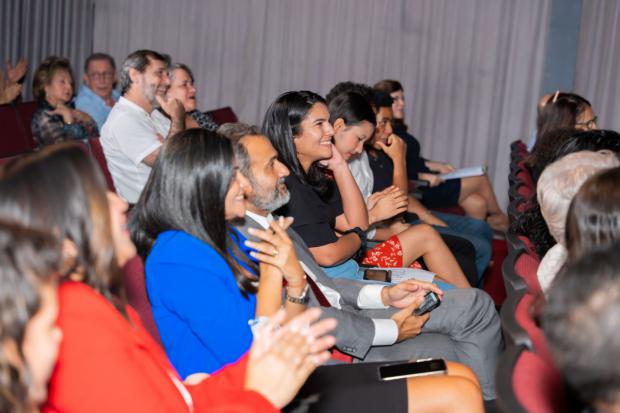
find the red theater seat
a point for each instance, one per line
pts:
(15, 132)
(223, 115)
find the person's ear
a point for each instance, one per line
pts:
(339, 125)
(85, 79)
(134, 75)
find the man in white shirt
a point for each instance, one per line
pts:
(375, 322)
(135, 130)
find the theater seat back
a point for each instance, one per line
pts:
(135, 286)
(15, 131)
(223, 115)
(538, 385)
(96, 151)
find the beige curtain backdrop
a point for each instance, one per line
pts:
(471, 69)
(597, 76)
(36, 29)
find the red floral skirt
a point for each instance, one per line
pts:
(388, 254)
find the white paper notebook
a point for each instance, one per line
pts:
(465, 172)
(403, 274)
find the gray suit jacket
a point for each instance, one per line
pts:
(355, 331)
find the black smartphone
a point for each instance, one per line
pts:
(373, 274)
(431, 301)
(427, 367)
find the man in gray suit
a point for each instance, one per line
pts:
(374, 321)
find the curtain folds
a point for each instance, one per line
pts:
(597, 77)
(36, 29)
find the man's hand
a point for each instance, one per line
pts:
(396, 148)
(409, 325)
(404, 294)
(173, 108)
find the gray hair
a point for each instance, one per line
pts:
(181, 66)
(235, 131)
(139, 60)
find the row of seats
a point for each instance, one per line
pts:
(528, 380)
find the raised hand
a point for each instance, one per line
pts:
(277, 249)
(395, 147)
(336, 161)
(15, 73)
(173, 108)
(281, 359)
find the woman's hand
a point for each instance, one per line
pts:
(64, 111)
(396, 148)
(82, 116)
(386, 204)
(440, 167)
(281, 359)
(277, 249)
(433, 179)
(335, 162)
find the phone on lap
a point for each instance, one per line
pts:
(418, 368)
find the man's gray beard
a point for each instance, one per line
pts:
(274, 202)
(150, 93)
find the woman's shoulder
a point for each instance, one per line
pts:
(180, 248)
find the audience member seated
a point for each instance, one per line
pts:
(182, 88)
(181, 227)
(593, 217)
(556, 187)
(29, 305)
(392, 172)
(474, 194)
(56, 118)
(134, 131)
(546, 150)
(562, 110)
(107, 361)
(10, 86)
(375, 322)
(97, 94)
(580, 320)
(331, 214)
(531, 222)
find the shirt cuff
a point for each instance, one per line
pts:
(370, 297)
(386, 332)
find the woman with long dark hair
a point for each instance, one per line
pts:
(474, 194)
(201, 280)
(331, 214)
(29, 262)
(107, 361)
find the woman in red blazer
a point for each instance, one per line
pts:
(107, 361)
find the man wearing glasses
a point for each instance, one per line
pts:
(97, 94)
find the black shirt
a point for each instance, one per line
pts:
(315, 216)
(415, 163)
(382, 170)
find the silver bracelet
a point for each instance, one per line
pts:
(302, 299)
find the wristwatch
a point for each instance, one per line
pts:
(302, 299)
(362, 236)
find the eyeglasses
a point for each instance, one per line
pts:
(590, 124)
(101, 75)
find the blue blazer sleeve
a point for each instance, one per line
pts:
(200, 312)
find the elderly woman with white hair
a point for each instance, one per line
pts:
(556, 188)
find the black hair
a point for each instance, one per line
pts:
(591, 140)
(531, 224)
(282, 123)
(29, 258)
(60, 188)
(560, 111)
(361, 89)
(186, 191)
(352, 108)
(580, 320)
(544, 152)
(383, 100)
